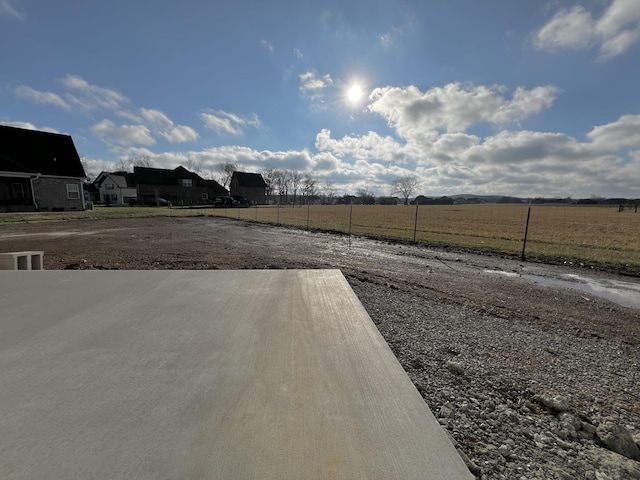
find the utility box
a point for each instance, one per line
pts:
(21, 261)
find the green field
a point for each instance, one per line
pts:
(590, 234)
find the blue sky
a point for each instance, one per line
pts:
(497, 97)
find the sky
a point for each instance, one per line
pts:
(502, 97)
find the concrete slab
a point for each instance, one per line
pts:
(205, 374)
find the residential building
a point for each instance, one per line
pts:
(178, 186)
(250, 186)
(117, 188)
(39, 171)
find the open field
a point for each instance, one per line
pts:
(567, 233)
(591, 234)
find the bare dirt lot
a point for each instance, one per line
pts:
(531, 380)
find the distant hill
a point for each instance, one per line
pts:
(471, 198)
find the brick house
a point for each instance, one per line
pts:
(178, 186)
(39, 171)
(250, 186)
(117, 188)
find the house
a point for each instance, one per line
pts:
(178, 186)
(117, 188)
(250, 186)
(39, 171)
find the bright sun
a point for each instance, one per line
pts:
(355, 93)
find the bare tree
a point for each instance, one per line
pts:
(226, 172)
(268, 174)
(89, 169)
(142, 161)
(123, 165)
(128, 164)
(192, 166)
(309, 189)
(404, 187)
(366, 196)
(296, 180)
(282, 180)
(329, 192)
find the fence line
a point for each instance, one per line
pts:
(572, 232)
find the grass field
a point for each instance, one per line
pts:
(591, 234)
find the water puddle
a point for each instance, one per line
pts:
(626, 294)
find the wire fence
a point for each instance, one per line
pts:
(594, 234)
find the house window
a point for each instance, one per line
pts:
(18, 190)
(186, 182)
(113, 198)
(109, 186)
(205, 196)
(73, 191)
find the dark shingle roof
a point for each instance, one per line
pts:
(161, 176)
(33, 151)
(249, 179)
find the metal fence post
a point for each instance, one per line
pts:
(526, 232)
(415, 224)
(350, 217)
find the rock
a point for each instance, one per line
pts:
(617, 439)
(557, 403)
(454, 367)
(569, 421)
(446, 411)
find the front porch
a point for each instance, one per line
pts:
(16, 194)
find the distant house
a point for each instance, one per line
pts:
(39, 171)
(117, 188)
(178, 186)
(250, 186)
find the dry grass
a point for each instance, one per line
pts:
(593, 234)
(596, 234)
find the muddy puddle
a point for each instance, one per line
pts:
(626, 294)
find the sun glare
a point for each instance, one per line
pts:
(355, 93)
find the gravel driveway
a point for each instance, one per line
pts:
(531, 380)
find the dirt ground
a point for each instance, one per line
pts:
(215, 243)
(490, 350)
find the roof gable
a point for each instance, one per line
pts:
(121, 179)
(161, 176)
(33, 151)
(244, 179)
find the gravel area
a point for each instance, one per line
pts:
(530, 381)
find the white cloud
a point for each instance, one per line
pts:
(7, 9)
(109, 132)
(89, 97)
(180, 134)
(313, 86)
(228, 123)
(618, 135)
(617, 29)
(161, 125)
(369, 146)
(268, 45)
(567, 29)
(454, 107)
(28, 126)
(155, 117)
(309, 81)
(522, 163)
(44, 98)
